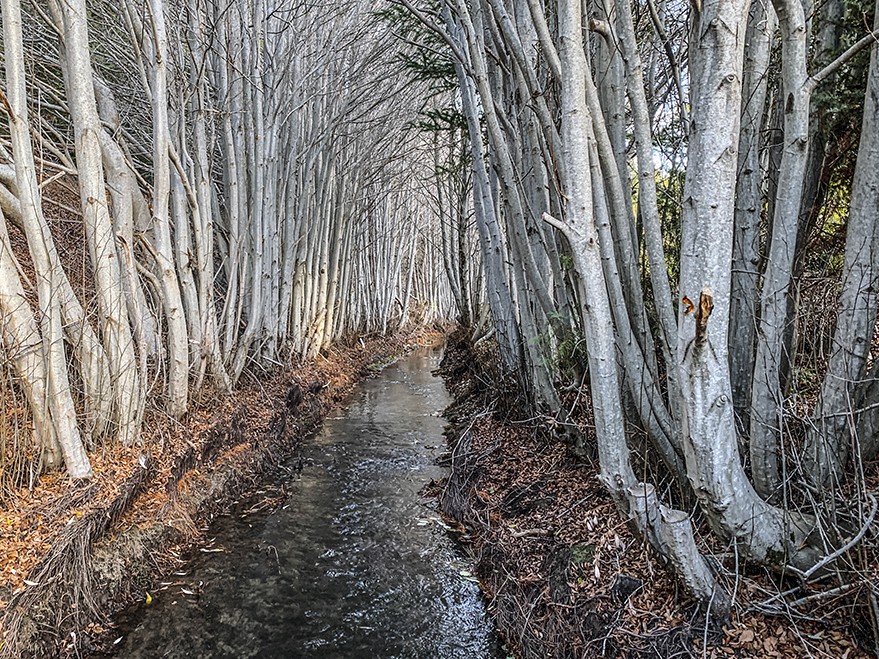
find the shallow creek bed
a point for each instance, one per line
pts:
(339, 555)
(75, 553)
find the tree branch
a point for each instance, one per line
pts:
(830, 69)
(436, 29)
(558, 224)
(805, 576)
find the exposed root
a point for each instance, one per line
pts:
(566, 577)
(60, 590)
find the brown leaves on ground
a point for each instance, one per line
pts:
(565, 575)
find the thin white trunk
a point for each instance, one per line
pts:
(648, 203)
(767, 397)
(24, 347)
(116, 332)
(727, 497)
(829, 441)
(155, 44)
(49, 275)
(668, 531)
(744, 291)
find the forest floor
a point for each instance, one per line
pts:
(565, 576)
(74, 553)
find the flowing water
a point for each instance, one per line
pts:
(355, 564)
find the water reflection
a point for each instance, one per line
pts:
(355, 565)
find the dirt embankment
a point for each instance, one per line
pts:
(75, 553)
(565, 576)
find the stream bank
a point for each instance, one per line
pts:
(565, 577)
(355, 562)
(75, 553)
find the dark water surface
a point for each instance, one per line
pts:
(355, 564)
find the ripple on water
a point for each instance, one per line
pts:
(353, 566)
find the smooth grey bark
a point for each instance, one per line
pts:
(835, 427)
(88, 353)
(124, 193)
(582, 234)
(730, 503)
(130, 216)
(180, 212)
(539, 104)
(23, 346)
(204, 229)
(638, 379)
(639, 359)
(767, 396)
(493, 250)
(619, 195)
(502, 158)
(156, 46)
(48, 270)
(648, 204)
(827, 28)
(633, 332)
(115, 330)
(744, 292)
(611, 84)
(866, 403)
(253, 134)
(661, 528)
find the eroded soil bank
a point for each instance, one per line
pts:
(75, 553)
(565, 577)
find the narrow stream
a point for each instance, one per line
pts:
(355, 564)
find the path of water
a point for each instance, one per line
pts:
(356, 563)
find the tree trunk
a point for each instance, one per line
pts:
(828, 442)
(116, 332)
(767, 396)
(659, 527)
(155, 45)
(727, 497)
(744, 293)
(60, 402)
(24, 347)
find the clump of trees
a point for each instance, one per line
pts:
(249, 190)
(643, 182)
(685, 160)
